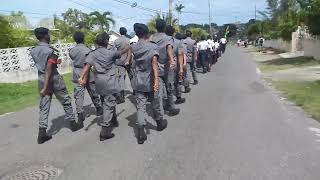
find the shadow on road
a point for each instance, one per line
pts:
(133, 118)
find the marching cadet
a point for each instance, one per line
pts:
(223, 44)
(121, 43)
(216, 48)
(78, 55)
(146, 83)
(107, 84)
(167, 65)
(210, 52)
(50, 82)
(179, 58)
(191, 59)
(203, 48)
(183, 50)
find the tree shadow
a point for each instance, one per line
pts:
(98, 121)
(297, 61)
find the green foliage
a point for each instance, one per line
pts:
(198, 32)
(311, 16)
(103, 20)
(4, 33)
(283, 17)
(152, 23)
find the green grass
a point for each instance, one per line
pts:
(303, 94)
(282, 64)
(16, 96)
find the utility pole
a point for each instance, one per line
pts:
(170, 11)
(209, 3)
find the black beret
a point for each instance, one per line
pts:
(179, 36)
(41, 30)
(139, 27)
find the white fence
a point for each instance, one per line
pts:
(17, 65)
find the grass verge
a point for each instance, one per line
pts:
(282, 63)
(304, 94)
(16, 96)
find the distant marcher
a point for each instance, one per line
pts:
(50, 82)
(191, 58)
(107, 83)
(179, 58)
(78, 55)
(203, 47)
(223, 44)
(121, 43)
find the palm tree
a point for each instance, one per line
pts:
(103, 20)
(179, 8)
(152, 23)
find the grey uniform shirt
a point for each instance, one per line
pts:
(177, 49)
(162, 40)
(78, 54)
(103, 62)
(121, 43)
(143, 52)
(40, 55)
(191, 47)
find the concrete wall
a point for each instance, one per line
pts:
(312, 48)
(16, 64)
(278, 44)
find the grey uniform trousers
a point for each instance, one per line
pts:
(190, 69)
(60, 91)
(79, 95)
(122, 77)
(141, 104)
(169, 82)
(109, 109)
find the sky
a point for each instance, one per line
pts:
(222, 11)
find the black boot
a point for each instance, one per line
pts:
(142, 136)
(180, 100)
(173, 112)
(99, 111)
(162, 124)
(74, 126)
(187, 89)
(81, 119)
(43, 136)
(195, 82)
(106, 133)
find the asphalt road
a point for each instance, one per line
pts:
(233, 127)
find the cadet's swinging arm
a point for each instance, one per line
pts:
(155, 73)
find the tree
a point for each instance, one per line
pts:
(311, 16)
(102, 20)
(179, 9)
(18, 20)
(152, 23)
(197, 33)
(77, 19)
(5, 31)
